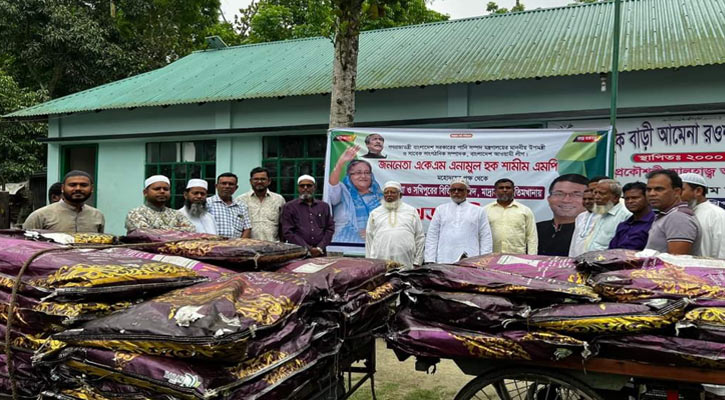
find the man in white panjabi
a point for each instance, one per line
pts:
(394, 230)
(195, 208)
(710, 217)
(458, 228)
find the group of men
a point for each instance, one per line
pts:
(670, 213)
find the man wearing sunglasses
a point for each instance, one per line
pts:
(307, 222)
(458, 229)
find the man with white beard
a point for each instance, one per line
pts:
(611, 213)
(458, 229)
(195, 208)
(394, 230)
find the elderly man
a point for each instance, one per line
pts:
(584, 223)
(710, 217)
(374, 143)
(70, 213)
(675, 229)
(633, 233)
(231, 217)
(195, 208)
(394, 230)
(154, 214)
(611, 213)
(264, 206)
(565, 200)
(458, 229)
(307, 222)
(512, 223)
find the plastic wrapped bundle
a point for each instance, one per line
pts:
(599, 261)
(78, 274)
(421, 338)
(460, 309)
(165, 235)
(704, 323)
(36, 316)
(547, 267)
(332, 278)
(195, 380)
(369, 310)
(608, 317)
(235, 253)
(474, 280)
(663, 350)
(699, 279)
(29, 383)
(212, 320)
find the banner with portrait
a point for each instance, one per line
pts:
(425, 161)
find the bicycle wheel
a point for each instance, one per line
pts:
(526, 384)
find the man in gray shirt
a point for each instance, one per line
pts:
(675, 229)
(70, 214)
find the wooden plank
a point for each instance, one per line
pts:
(641, 370)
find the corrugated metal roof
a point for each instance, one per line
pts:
(539, 43)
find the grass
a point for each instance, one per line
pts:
(395, 380)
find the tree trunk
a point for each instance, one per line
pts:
(344, 75)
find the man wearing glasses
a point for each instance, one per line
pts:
(459, 229)
(307, 222)
(566, 194)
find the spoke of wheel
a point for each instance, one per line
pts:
(502, 390)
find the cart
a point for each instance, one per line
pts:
(593, 379)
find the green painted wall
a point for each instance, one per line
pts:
(120, 181)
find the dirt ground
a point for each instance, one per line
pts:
(395, 380)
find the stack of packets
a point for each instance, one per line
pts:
(145, 322)
(620, 304)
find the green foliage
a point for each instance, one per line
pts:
(270, 20)
(20, 152)
(493, 8)
(64, 46)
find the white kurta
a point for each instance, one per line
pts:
(712, 230)
(457, 229)
(582, 236)
(395, 235)
(203, 224)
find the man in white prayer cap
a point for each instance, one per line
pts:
(307, 221)
(459, 229)
(710, 217)
(195, 207)
(154, 214)
(394, 230)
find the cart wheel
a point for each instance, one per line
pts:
(526, 384)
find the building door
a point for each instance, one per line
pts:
(83, 157)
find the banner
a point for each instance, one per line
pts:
(684, 143)
(425, 161)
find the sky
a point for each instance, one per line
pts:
(455, 8)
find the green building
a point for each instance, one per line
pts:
(235, 108)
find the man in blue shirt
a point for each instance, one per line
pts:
(634, 231)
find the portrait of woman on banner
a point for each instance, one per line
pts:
(353, 198)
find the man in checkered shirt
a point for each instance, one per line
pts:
(231, 217)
